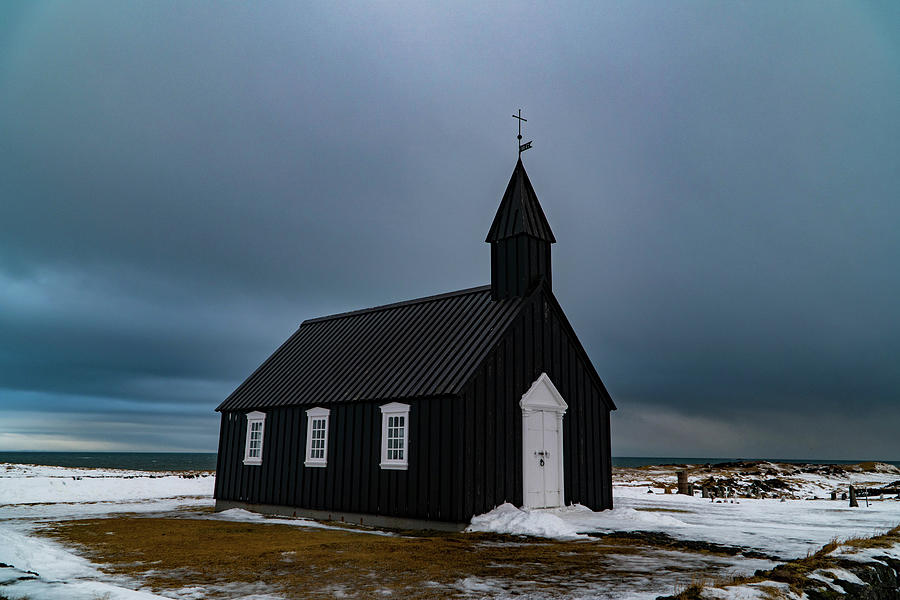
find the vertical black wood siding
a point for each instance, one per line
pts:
(465, 453)
(536, 342)
(353, 480)
(518, 262)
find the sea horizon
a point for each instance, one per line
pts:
(206, 461)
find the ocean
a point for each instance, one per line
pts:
(206, 461)
(138, 461)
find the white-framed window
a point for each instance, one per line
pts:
(395, 436)
(316, 437)
(253, 446)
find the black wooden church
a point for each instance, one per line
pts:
(427, 412)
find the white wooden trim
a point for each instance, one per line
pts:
(394, 409)
(312, 414)
(562, 458)
(530, 400)
(255, 417)
(530, 403)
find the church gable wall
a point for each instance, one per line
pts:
(538, 341)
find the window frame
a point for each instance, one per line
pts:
(394, 409)
(312, 415)
(255, 417)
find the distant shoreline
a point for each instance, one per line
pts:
(206, 461)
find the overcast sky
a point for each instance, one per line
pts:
(181, 184)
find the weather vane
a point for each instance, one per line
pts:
(526, 145)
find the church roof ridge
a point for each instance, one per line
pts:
(400, 304)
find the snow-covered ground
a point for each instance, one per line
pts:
(36, 568)
(29, 491)
(786, 529)
(802, 523)
(39, 569)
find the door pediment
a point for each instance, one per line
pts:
(543, 395)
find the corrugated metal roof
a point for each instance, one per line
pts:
(520, 211)
(423, 347)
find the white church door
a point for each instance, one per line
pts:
(542, 439)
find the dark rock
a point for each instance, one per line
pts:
(881, 582)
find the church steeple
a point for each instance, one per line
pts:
(520, 239)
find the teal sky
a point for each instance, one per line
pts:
(181, 184)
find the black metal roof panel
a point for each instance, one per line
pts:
(424, 347)
(520, 212)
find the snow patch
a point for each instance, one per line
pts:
(477, 585)
(45, 570)
(238, 590)
(240, 515)
(638, 517)
(844, 575)
(827, 581)
(506, 518)
(753, 591)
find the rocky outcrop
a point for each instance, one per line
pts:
(874, 581)
(822, 576)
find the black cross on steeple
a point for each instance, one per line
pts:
(526, 145)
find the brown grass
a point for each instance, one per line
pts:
(170, 553)
(167, 553)
(885, 540)
(691, 591)
(866, 467)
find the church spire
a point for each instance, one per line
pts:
(520, 239)
(520, 211)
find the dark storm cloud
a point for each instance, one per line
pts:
(180, 186)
